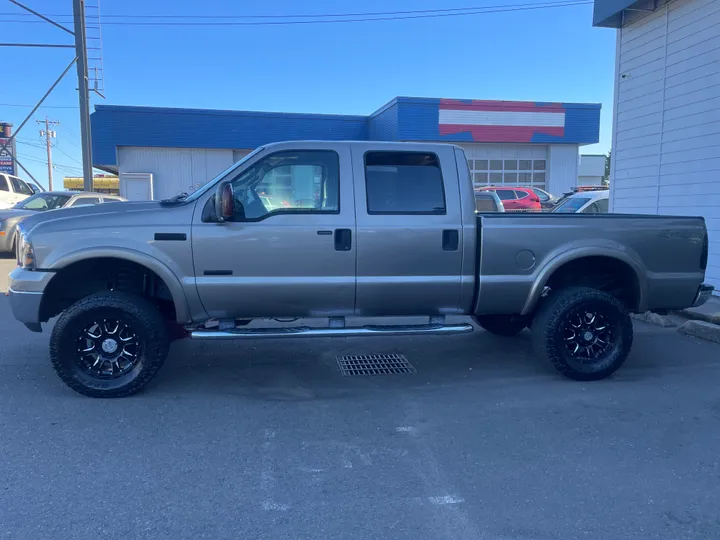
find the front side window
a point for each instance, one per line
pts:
(20, 187)
(293, 181)
(404, 183)
(3, 183)
(43, 201)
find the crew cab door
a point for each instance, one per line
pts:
(409, 231)
(289, 250)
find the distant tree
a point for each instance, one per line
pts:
(606, 176)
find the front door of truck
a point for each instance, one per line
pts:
(289, 251)
(409, 231)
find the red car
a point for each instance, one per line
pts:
(517, 198)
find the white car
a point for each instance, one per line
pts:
(585, 202)
(12, 190)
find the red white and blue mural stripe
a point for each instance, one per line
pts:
(501, 121)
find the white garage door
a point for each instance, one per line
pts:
(497, 164)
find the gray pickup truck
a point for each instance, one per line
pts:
(330, 230)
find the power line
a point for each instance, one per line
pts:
(68, 155)
(41, 106)
(294, 16)
(480, 11)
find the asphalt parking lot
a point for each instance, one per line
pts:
(268, 440)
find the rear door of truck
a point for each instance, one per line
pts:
(409, 230)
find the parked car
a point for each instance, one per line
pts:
(585, 202)
(40, 202)
(12, 190)
(488, 201)
(516, 198)
(35, 187)
(393, 232)
(579, 189)
(547, 201)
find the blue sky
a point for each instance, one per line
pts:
(353, 68)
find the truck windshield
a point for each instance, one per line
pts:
(227, 171)
(571, 205)
(43, 201)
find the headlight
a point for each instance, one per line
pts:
(25, 253)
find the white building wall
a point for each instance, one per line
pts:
(563, 168)
(174, 170)
(666, 149)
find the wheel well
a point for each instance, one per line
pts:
(604, 273)
(83, 278)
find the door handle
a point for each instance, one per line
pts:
(343, 239)
(450, 240)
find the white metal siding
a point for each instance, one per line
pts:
(174, 170)
(562, 168)
(666, 155)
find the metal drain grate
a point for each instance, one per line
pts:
(374, 364)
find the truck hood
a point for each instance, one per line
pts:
(90, 216)
(13, 213)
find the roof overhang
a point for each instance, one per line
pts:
(617, 13)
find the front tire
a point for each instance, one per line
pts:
(109, 344)
(586, 334)
(501, 325)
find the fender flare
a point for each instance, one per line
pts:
(170, 279)
(560, 260)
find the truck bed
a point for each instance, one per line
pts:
(518, 255)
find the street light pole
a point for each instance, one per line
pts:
(83, 92)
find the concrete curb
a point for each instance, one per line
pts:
(655, 318)
(697, 316)
(701, 329)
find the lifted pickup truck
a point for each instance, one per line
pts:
(336, 229)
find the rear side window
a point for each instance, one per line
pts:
(506, 194)
(404, 183)
(521, 194)
(3, 183)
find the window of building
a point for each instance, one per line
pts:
(523, 172)
(404, 183)
(294, 181)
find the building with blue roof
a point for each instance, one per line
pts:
(518, 143)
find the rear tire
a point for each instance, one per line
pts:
(586, 334)
(109, 344)
(501, 325)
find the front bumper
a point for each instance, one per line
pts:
(25, 293)
(703, 295)
(6, 240)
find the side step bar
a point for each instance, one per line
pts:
(306, 331)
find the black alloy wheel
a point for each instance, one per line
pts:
(109, 344)
(586, 334)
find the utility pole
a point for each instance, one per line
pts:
(49, 134)
(83, 92)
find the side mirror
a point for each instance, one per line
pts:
(224, 202)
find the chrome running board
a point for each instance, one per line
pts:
(357, 331)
